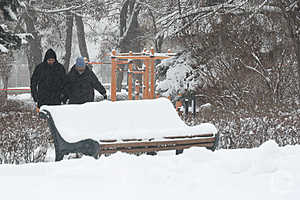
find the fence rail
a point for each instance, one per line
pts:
(16, 90)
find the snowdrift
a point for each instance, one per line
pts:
(267, 172)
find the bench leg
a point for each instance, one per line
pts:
(152, 153)
(58, 156)
(179, 151)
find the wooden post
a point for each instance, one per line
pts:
(113, 87)
(152, 92)
(146, 80)
(137, 90)
(186, 107)
(130, 78)
(178, 106)
(194, 105)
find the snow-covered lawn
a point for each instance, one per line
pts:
(268, 172)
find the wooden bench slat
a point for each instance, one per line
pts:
(166, 137)
(156, 143)
(154, 149)
(131, 140)
(189, 136)
(108, 140)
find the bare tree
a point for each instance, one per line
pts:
(241, 50)
(291, 12)
(34, 50)
(129, 31)
(8, 41)
(48, 16)
(81, 36)
(68, 41)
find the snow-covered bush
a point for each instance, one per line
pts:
(252, 132)
(24, 137)
(249, 130)
(176, 76)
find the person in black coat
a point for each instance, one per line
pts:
(80, 84)
(47, 81)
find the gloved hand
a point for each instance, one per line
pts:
(105, 96)
(63, 98)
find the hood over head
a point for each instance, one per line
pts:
(50, 53)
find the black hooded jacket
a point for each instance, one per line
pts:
(79, 88)
(47, 81)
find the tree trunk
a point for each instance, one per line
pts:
(129, 32)
(159, 39)
(123, 29)
(34, 53)
(81, 37)
(297, 51)
(5, 84)
(68, 41)
(3, 94)
(5, 73)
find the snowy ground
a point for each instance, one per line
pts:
(268, 172)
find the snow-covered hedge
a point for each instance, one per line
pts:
(176, 76)
(252, 132)
(24, 137)
(239, 130)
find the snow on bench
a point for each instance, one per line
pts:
(124, 121)
(108, 120)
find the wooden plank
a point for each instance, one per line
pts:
(146, 80)
(142, 57)
(130, 79)
(157, 143)
(189, 136)
(131, 140)
(108, 140)
(152, 79)
(133, 54)
(113, 88)
(153, 149)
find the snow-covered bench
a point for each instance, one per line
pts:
(127, 126)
